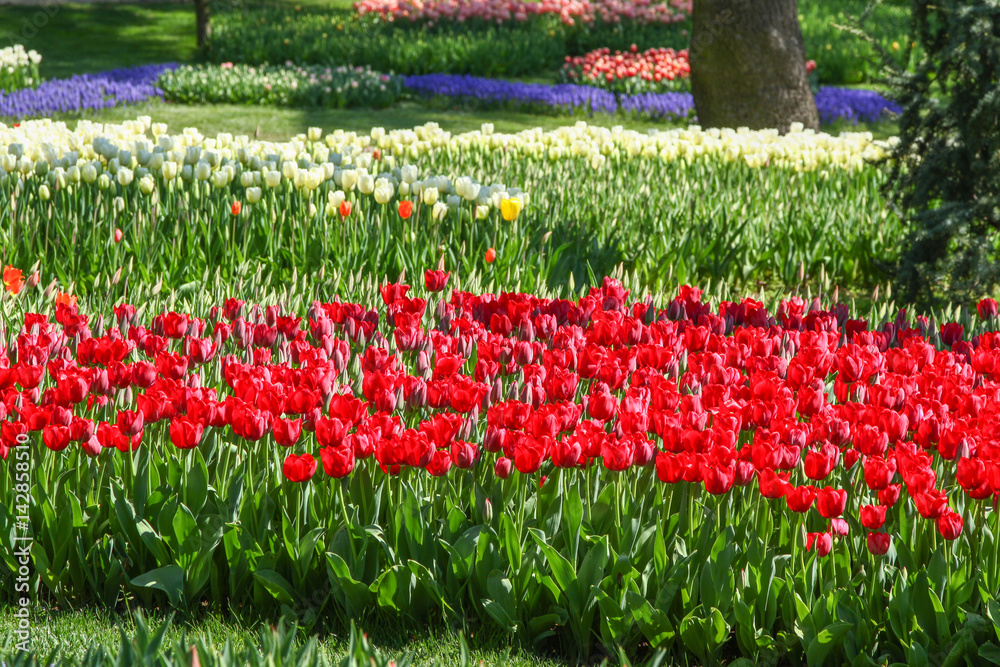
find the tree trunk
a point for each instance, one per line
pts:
(202, 14)
(748, 65)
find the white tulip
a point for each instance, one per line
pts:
(439, 211)
(409, 174)
(429, 196)
(169, 171)
(383, 191)
(202, 170)
(366, 183)
(253, 195)
(348, 179)
(147, 185)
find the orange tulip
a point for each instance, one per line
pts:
(13, 279)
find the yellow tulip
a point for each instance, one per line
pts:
(511, 208)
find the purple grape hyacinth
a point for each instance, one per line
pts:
(85, 92)
(833, 104)
(563, 96)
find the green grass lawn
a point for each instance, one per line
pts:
(76, 38)
(76, 631)
(277, 123)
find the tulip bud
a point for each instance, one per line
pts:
(487, 511)
(418, 395)
(423, 366)
(512, 392)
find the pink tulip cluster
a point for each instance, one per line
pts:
(652, 66)
(503, 11)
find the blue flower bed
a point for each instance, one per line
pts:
(90, 92)
(85, 92)
(849, 104)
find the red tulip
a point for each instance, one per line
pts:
(772, 485)
(440, 463)
(823, 543)
(130, 422)
(931, 504)
(463, 454)
(299, 468)
(502, 468)
(878, 543)
(800, 498)
(987, 309)
(491, 255)
(184, 433)
(118, 236)
(435, 281)
(950, 525)
(345, 209)
(405, 209)
(951, 333)
(236, 208)
(287, 431)
(56, 437)
(873, 516)
(831, 502)
(337, 461)
(889, 495)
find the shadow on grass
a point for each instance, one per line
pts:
(76, 38)
(78, 630)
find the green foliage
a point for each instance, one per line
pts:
(947, 162)
(338, 37)
(590, 558)
(707, 220)
(310, 86)
(845, 58)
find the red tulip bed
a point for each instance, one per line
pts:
(632, 71)
(719, 480)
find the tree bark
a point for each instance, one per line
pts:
(202, 14)
(748, 65)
